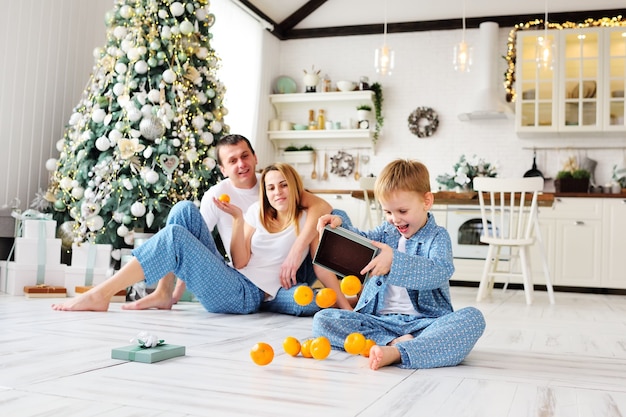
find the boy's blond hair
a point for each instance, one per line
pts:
(402, 175)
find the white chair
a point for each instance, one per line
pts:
(509, 217)
(367, 185)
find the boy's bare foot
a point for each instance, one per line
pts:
(92, 300)
(161, 300)
(381, 356)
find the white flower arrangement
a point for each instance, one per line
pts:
(465, 171)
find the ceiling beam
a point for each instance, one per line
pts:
(448, 24)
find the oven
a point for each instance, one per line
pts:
(465, 227)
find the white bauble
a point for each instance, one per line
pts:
(154, 95)
(126, 45)
(60, 144)
(89, 194)
(129, 239)
(216, 127)
(163, 14)
(147, 153)
(115, 135)
(126, 12)
(95, 223)
(65, 183)
(166, 32)
(201, 14)
(134, 114)
(141, 67)
(191, 155)
(118, 89)
(138, 209)
(120, 32)
(207, 137)
(186, 27)
(175, 30)
(177, 9)
(126, 183)
(152, 177)
(117, 216)
(74, 118)
(88, 209)
(102, 143)
(75, 183)
(51, 164)
(202, 98)
(155, 45)
(146, 110)
(169, 76)
(121, 68)
(133, 54)
(198, 122)
(107, 119)
(151, 127)
(194, 183)
(78, 192)
(209, 163)
(98, 115)
(176, 142)
(122, 231)
(116, 254)
(149, 219)
(202, 53)
(98, 52)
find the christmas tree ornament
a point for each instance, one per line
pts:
(149, 219)
(151, 127)
(95, 223)
(65, 232)
(138, 209)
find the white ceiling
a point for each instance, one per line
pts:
(362, 12)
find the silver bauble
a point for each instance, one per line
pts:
(151, 128)
(65, 232)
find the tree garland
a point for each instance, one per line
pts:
(418, 127)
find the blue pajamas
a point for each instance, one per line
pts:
(442, 337)
(186, 247)
(441, 341)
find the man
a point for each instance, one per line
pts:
(237, 162)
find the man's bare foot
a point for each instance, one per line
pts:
(179, 290)
(402, 338)
(92, 300)
(381, 356)
(161, 300)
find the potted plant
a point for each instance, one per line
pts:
(302, 155)
(364, 114)
(572, 181)
(378, 109)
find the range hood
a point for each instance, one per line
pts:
(487, 103)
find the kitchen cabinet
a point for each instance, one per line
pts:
(583, 91)
(353, 207)
(338, 107)
(614, 237)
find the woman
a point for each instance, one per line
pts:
(260, 242)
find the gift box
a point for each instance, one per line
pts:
(29, 251)
(119, 297)
(39, 228)
(17, 276)
(78, 276)
(90, 255)
(44, 291)
(137, 353)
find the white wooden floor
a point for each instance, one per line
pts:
(566, 360)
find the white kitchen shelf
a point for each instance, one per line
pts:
(339, 106)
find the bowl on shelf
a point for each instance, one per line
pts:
(346, 85)
(298, 126)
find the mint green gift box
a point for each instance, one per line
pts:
(136, 353)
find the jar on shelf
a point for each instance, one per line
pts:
(321, 119)
(364, 83)
(312, 121)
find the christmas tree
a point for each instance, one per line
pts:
(141, 138)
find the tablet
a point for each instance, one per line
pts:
(344, 252)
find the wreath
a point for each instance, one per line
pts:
(423, 122)
(342, 164)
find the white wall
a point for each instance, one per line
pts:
(424, 76)
(46, 49)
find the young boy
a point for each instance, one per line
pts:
(405, 305)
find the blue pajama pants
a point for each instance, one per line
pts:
(186, 247)
(441, 341)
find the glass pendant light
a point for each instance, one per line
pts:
(384, 56)
(462, 58)
(545, 47)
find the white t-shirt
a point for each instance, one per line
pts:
(269, 250)
(242, 198)
(396, 300)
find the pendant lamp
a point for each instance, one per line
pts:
(384, 56)
(462, 58)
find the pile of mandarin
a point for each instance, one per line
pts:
(318, 348)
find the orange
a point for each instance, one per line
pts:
(320, 348)
(291, 345)
(306, 348)
(326, 297)
(368, 345)
(354, 343)
(350, 285)
(303, 295)
(262, 354)
(225, 198)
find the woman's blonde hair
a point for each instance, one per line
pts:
(402, 175)
(296, 188)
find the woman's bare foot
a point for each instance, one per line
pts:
(161, 300)
(92, 300)
(381, 356)
(179, 290)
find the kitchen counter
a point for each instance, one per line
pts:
(471, 198)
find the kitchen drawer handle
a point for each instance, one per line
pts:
(579, 223)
